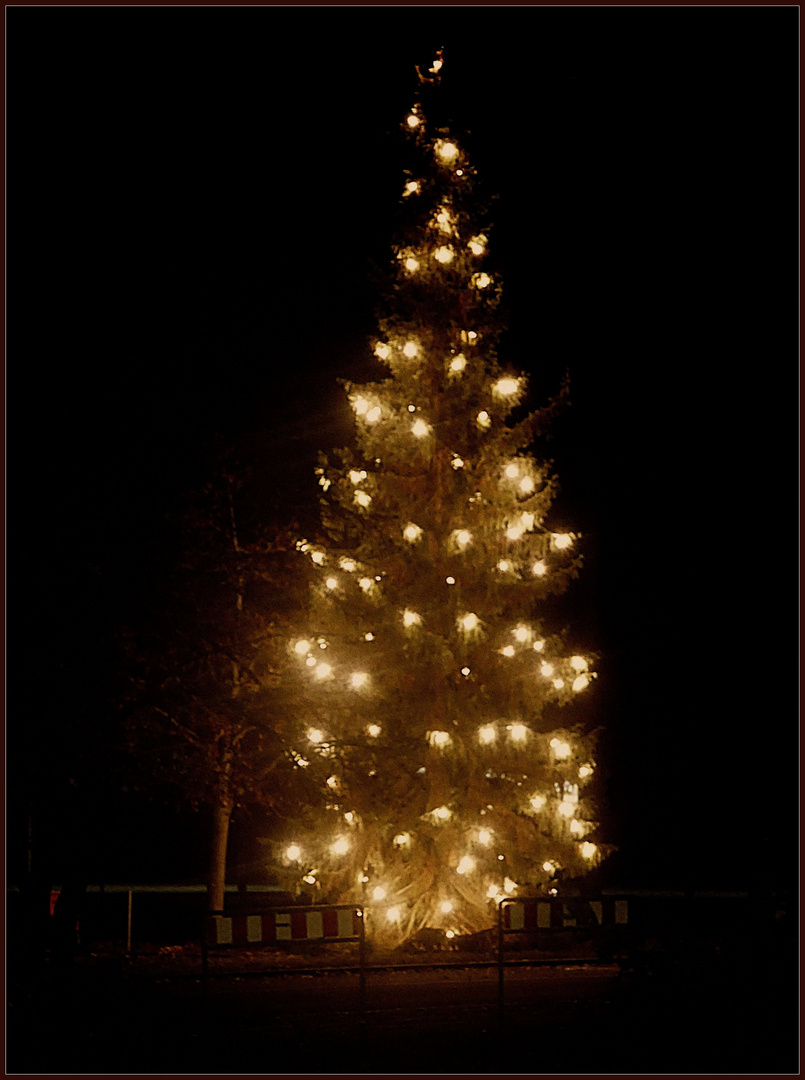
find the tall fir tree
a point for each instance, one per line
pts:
(426, 681)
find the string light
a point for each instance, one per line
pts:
(463, 537)
(311, 661)
(369, 636)
(323, 670)
(465, 671)
(447, 151)
(585, 771)
(560, 749)
(506, 387)
(508, 650)
(393, 914)
(539, 568)
(442, 813)
(373, 730)
(526, 485)
(373, 415)
(481, 281)
(359, 679)
(562, 541)
(457, 463)
(378, 893)
(521, 633)
(348, 565)
(492, 892)
(576, 827)
(412, 187)
(293, 852)
(309, 879)
(558, 684)
(477, 244)
(382, 350)
(443, 255)
(412, 120)
(446, 907)
(566, 808)
(580, 682)
(420, 428)
(546, 669)
(315, 736)
(410, 618)
(317, 557)
(519, 732)
(331, 583)
(578, 663)
(412, 532)
(484, 836)
(450, 580)
(466, 865)
(512, 471)
(539, 646)
(469, 621)
(302, 647)
(439, 738)
(410, 349)
(588, 849)
(483, 419)
(537, 802)
(366, 583)
(487, 734)
(458, 363)
(411, 264)
(362, 498)
(356, 475)
(504, 565)
(402, 839)
(341, 846)
(514, 532)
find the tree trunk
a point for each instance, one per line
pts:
(221, 814)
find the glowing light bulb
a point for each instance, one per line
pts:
(458, 363)
(566, 808)
(504, 565)
(410, 349)
(439, 738)
(537, 802)
(356, 475)
(348, 565)
(412, 408)
(519, 732)
(322, 671)
(484, 836)
(588, 849)
(512, 471)
(538, 568)
(580, 682)
(492, 892)
(359, 679)
(362, 498)
(369, 636)
(393, 914)
(309, 879)
(412, 120)
(463, 537)
(293, 852)
(548, 867)
(412, 187)
(481, 281)
(528, 520)
(447, 151)
(521, 633)
(470, 621)
(412, 532)
(382, 350)
(578, 663)
(331, 583)
(325, 483)
(576, 827)
(373, 415)
(378, 893)
(585, 771)
(526, 485)
(420, 428)
(514, 532)
(466, 865)
(509, 886)
(373, 730)
(560, 749)
(349, 816)
(442, 813)
(332, 782)
(361, 406)
(539, 646)
(450, 580)
(508, 650)
(477, 245)
(443, 254)
(483, 419)
(411, 264)
(311, 661)
(446, 907)
(341, 846)
(302, 647)
(465, 671)
(317, 557)
(486, 734)
(314, 735)
(506, 387)
(457, 463)
(562, 540)
(558, 684)
(546, 669)
(401, 839)
(366, 583)
(410, 618)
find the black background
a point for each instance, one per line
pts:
(194, 198)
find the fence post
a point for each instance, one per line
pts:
(128, 925)
(362, 964)
(500, 960)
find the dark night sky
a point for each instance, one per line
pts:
(194, 195)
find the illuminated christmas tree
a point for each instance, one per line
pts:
(425, 677)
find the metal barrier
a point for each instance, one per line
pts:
(289, 925)
(538, 915)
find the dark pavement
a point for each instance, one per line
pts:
(555, 1020)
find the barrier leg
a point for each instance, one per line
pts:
(500, 963)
